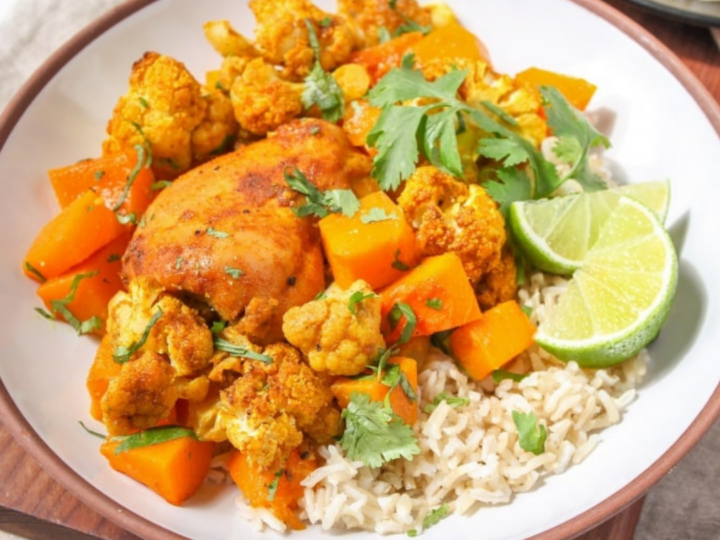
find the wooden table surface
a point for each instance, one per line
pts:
(33, 505)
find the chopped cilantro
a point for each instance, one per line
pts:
(34, 271)
(124, 219)
(383, 34)
(160, 184)
(434, 517)
(500, 374)
(60, 307)
(113, 257)
(531, 434)
(178, 263)
(320, 203)
(527, 310)
(497, 111)
(321, 88)
(234, 272)
(434, 303)
(217, 234)
(122, 354)
(397, 312)
(141, 151)
(374, 434)
(393, 376)
(314, 130)
(376, 214)
(143, 102)
(453, 401)
(98, 175)
(218, 326)
(356, 298)
(272, 486)
(325, 22)
(149, 437)
(240, 351)
(397, 263)
(91, 432)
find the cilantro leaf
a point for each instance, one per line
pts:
(356, 298)
(397, 312)
(30, 268)
(141, 161)
(434, 517)
(122, 354)
(397, 263)
(512, 185)
(235, 273)
(568, 124)
(499, 112)
(376, 214)
(453, 401)
(320, 203)
(321, 88)
(500, 374)
(273, 486)
(60, 307)
(374, 434)
(507, 151)
(434, 303)
(149, 437)
(240, 351)
(218, 326)
(531, 434)
(217, 234)
(394, 376)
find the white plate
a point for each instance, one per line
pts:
(658, 130)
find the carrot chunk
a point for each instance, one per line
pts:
(491, 341)
(439, 293)
(402, 404)
(380, 59)
(103, 369)
(450, 41)
(83, 227)
(174, 469)
(278, 490)
(93, 292)
(578, 92)
(108, 176)
(375, 245)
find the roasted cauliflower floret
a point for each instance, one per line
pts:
(368, 17)
(500, 283)
(335, 340)
(177, 331)
(269, 406)
(163, 107)
(216, 133)
(226, 41)
(282, 36)
(140, 396)
(449, 215)
(262, 101)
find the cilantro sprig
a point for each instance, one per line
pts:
(240, 351)
(122, 354)
(356, 298)
(374, 434)
(531, 433)
(152, 436)
(321, 88)
(320, 203)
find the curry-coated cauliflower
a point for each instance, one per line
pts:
(282, 36)
(163, 108)
(140, 396)
(449, 215)
(500, 283)
(270, 406)
(226, 41)
(368, 18)
(262, 101)
(336, 340)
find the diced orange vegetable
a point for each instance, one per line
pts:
(400, 403)
(106, 176)
(103, 369)
(359, 121)
(82, 228)
(450, 41)
(578, 92)
(255, 484)
(417, 348)
(353, 80)
(439, 293)
(93, 293)
(358, 250)
(494, 339)
(380, 59)
(174, 469)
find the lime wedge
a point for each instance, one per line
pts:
(654, 195)
(616, 303)
(556, 234)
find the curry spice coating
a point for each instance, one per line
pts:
(225, 232)
(335, 340)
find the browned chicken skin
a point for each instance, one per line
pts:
(225, 232)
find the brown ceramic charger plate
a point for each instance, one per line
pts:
(57, 468)
(688, 11)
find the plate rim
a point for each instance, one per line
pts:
(31, 442)
(677, 14)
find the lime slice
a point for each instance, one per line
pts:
(654, 195)
(616, 303)
(556, 234)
